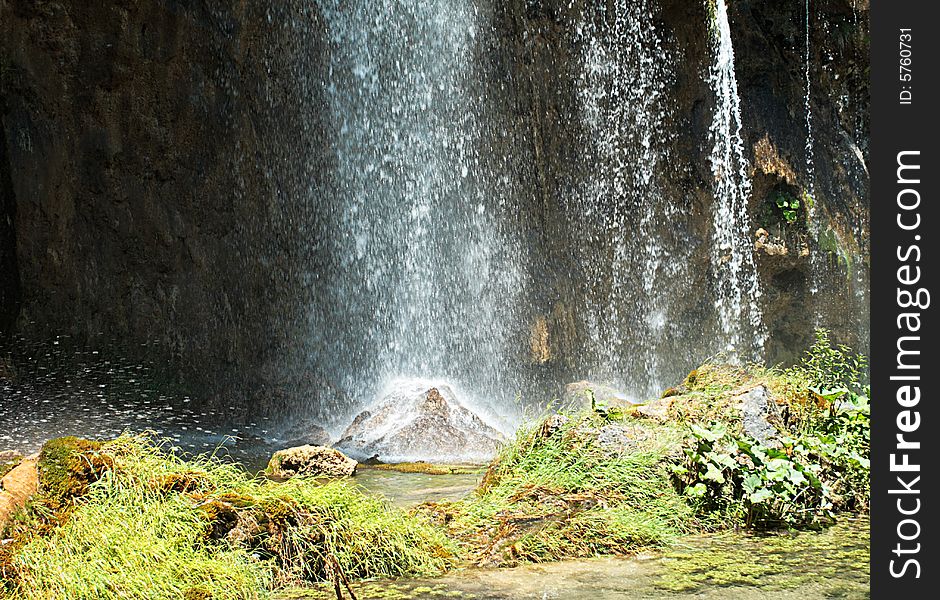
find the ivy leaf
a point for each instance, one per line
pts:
(713, 474)
(696, 491)
(760, 496)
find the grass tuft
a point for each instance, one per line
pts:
(555, 493)
(153, 525)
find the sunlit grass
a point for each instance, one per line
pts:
(158, 526)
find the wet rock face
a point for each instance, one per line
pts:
(760, 415)
(587, 394)
(143, 148)
(416, 422)
(9, 271)
(310, 461)
(157, 161)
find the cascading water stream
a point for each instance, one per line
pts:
(737, 293)
(808, 108)
(622, 94)
(424, 280)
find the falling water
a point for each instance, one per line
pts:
(622, 94)
(737, 291)
(808, 109)
(817, 266)
(423, 280)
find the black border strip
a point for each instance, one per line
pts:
(904, 124)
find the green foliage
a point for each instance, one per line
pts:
(554, 492)
(828, 368)
(152, 525)
(789, 207)
(734, 476)
(801, 483)
(808, 200)
(841, 441)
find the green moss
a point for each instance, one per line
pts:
(67, 466)
(7, 465)
(379, 591)
(830, 242)
(787, 560)
(197, 593)
(553, 493)
(237, 537)
(426, 468)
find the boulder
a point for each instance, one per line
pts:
(612, 439)
(579, 395)
(18, 486)
(755, 409)
(617, 440)
(657, 410)
(310, 461)
(416, 421)
(760, 415)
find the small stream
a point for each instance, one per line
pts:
(798, 566)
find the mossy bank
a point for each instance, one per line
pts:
(729, 448)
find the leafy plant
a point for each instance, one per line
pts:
(830, 368)
(789, 207)
(735, 476)
(801, 483)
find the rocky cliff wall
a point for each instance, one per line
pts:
(140, 173)
(161, 164)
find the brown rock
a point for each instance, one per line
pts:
(310, 461)
(18, 486)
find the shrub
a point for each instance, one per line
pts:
(803, 483)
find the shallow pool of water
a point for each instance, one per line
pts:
(829, 565)
(409, 489)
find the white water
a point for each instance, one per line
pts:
(737, 290)
(425, 280)
(623, 100)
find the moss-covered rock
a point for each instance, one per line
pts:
(427, 468)
(310, 461)
(67, 466)
(8, 460)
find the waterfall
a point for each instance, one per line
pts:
(737, 292)
(622, 94)
(818, 267)
(808, 109)
(422, 278)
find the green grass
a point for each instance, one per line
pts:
(129, 519)
(556, 496)
(157, 526)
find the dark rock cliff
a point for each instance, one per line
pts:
(155, 158)
(140, 173)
